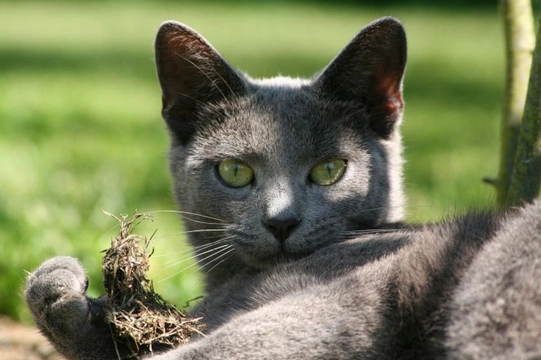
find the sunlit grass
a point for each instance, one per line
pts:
(80, 126)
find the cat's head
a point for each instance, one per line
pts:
(284, 165)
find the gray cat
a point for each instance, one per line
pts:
(294, 188)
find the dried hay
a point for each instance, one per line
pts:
(140, 318)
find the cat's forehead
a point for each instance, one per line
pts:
(281, 116)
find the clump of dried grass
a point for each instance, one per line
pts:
(139, 317)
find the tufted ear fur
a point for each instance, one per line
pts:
(192, 75)
(369, 72)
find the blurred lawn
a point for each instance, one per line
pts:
(80, 125)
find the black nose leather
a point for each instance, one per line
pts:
(281, 228)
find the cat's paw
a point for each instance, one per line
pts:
(73, 322)
(55, 293)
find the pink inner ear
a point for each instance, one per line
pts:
(388, 88)
(394, 103)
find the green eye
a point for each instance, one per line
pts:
(328, 172)
(235, 173)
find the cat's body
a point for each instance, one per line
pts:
(279, 181)
(464, 288)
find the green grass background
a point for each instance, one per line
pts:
(80, 126)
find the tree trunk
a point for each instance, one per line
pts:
(519, 38)
(526, 179)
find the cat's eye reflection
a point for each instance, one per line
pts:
(235, 173)
(328, 172)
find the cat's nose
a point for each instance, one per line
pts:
(281, 228)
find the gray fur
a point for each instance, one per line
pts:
(464, 288)
(498, 304)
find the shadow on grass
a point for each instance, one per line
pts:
(429, 81)
(52, 61)
(424, 79)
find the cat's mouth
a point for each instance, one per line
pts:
(263, 251)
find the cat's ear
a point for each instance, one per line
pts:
(192, 75)
(369, 72)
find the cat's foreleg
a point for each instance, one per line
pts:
(319, 324)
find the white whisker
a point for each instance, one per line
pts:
(194, 264)
(189, 232)
(195, 255)
(213, 237)
(195, 248)
(203, 230)
(115, 227)
(190, 250)
(218, 263)
(185, 218)
(199, 247)
(181, 212)
(223, 249)
(226, 255)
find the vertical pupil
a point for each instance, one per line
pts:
(330, 168)
(236, 167)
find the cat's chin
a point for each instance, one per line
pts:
(268, 262)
